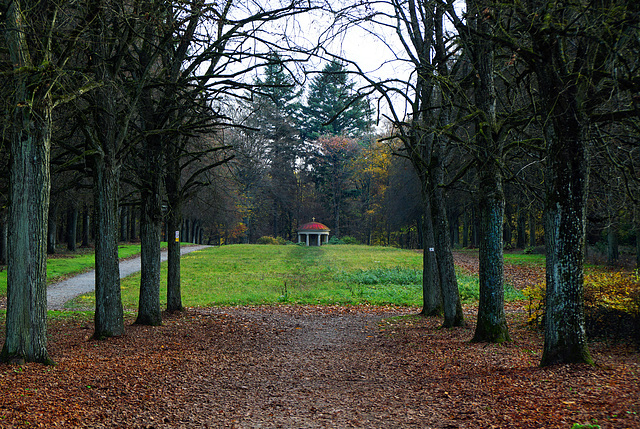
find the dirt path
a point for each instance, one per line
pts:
(312, 367)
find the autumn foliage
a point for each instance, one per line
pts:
(609, 298)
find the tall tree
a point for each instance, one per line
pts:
(333, 107)
(488, 151)
(275, 113)
(577, 52)
(420, 28)
(27, 29)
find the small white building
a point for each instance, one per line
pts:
(313, 234)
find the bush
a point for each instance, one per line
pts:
(611, 300)
(535, 294)
(350, 240)
(537, 250)
(267, 239)
(335, 240)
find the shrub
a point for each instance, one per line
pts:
(611, 299)
(615, 290)
(350, 240)
(267, 239)
(335, 240)
(535, 294)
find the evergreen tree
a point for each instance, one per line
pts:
(275, 109)
(333, 107)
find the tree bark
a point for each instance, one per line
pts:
(149, 312)
(532, 228)
(109, 315)
(491, 325)
(431, 290)
(452, 305)
(30, 181)
(85, 226)
(4, 240)
(174, 220)
(132, 223)
(566, 183)
(522, 229)
(52, 229)
(613, 253)
(124, 211)
(72, 228)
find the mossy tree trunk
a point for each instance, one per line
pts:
(488, 150)
(566, 186)
(30, 182)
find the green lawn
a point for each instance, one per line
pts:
(269, 274)
(272, 274)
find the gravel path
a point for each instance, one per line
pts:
(59, 293)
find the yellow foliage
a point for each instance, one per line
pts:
(535, 294)
(617, 290)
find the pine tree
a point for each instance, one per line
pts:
(333, 106)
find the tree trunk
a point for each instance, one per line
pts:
(4, 240)
(431, 290)
(72, 228)
(522, 229)
(124, 212)
(109, 315)
(452, 305)
(30, 182)
(149, 312)
(132, 223)
(465, 228)
(174, 221)
(566, 182)
(85, 226)
(613, 252)
(52, 229)
(532, 228)
(492, 324)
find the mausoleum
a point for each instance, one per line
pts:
(313, 234)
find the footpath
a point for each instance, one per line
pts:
(59, 293)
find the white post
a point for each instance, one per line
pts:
(307, 240)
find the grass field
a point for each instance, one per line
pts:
(272, 274)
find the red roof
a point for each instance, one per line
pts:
(314, 226)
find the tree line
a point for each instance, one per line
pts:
(516, 124)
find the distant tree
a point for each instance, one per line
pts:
(333, 107)
(274, 112)
(333, 172)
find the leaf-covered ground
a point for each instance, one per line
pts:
(307, 367)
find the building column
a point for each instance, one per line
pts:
(307, 235)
